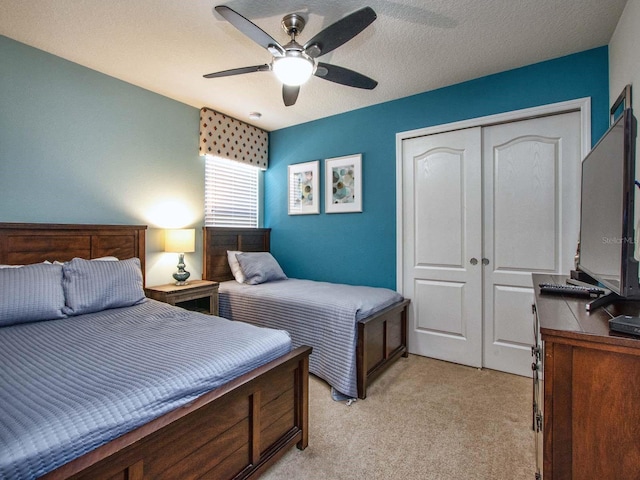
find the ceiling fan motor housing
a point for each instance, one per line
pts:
(293, 24)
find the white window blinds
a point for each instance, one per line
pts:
(231, 193)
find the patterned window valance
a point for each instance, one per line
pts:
(227, 137)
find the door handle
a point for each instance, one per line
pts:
(485, 261)
(473, 261)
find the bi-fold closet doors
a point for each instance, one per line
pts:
(483, 207)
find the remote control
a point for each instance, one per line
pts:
(576, 290)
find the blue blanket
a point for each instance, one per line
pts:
(68, 386)
(319, 314)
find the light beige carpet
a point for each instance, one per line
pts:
(422, 419)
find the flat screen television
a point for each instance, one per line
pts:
(607, 243)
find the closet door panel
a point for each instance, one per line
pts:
(438, 178)
(443, 243)
(531, 191)
(525, 186)
(509, 303)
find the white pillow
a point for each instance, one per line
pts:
(235, 266)
(99, 259)
(56, 262)
(46, 262)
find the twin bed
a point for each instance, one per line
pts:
(356, 332)
(99, 382)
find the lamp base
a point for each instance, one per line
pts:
(181, 275)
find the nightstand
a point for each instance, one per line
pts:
(197, 295)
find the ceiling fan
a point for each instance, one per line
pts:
(293, 63)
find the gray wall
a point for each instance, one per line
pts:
(77, 146)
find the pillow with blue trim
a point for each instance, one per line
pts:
(259, 267)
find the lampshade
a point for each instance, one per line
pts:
(293, 70)
(180, 240)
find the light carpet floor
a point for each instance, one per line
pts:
(423, 419)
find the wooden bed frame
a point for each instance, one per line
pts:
(235, 431)
(382, 337)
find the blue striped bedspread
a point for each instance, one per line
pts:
(319, 314)
(68, 386)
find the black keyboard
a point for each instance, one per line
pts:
(562, 289)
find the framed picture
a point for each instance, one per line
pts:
(343, 184)
(304, 188)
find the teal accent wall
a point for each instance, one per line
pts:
(78, 146)
(360, 248)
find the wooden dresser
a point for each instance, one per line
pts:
(586, 389)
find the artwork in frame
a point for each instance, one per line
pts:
(304, 188)
(343, 184)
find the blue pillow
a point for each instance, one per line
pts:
(31, 293)
(93, 286)
(259, 267)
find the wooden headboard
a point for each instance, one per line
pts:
(24, 243)
(216, 242)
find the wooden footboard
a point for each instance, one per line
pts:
(382, 339)
(233, 432)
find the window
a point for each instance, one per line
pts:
(230, 193)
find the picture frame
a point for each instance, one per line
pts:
(343, 184)
(304, 188)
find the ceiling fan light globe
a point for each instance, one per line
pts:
(293, 70)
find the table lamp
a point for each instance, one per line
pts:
(180, 241)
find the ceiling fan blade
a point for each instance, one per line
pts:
(250, 29)
(239, 71)
(340, 32)
(290, 94)
(344, 76)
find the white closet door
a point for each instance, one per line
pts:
(531, 222)
(442, 209)
(483, 208)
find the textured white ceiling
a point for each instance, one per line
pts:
(414, 45)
